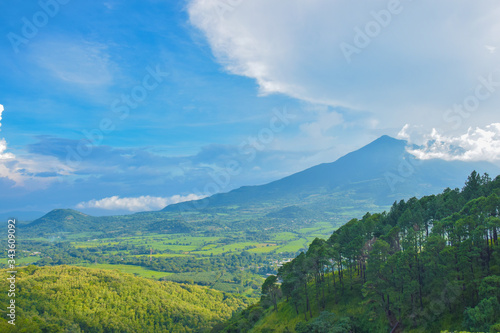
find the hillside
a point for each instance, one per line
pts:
(75, 299)
(427, 265)
(62, 220)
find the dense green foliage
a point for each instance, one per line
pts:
(75, 299)
(425, 266)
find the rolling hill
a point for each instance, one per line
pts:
(77, 299)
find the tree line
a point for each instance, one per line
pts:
(423, 260)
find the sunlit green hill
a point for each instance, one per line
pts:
(76, 299)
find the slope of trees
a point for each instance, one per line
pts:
(74, 299)
(426, 265)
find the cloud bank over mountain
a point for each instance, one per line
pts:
(478, 144)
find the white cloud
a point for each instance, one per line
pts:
(3, 148)
(476, 145)
(3, 144)
(414, 69)
(403, 134)
(417, 135)
(142, 203)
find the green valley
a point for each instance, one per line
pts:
(220, 251)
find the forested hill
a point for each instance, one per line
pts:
(427, 265)
(76, 299)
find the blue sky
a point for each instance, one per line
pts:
(112, 107)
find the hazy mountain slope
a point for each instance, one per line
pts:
(381, 171)
(368, 179)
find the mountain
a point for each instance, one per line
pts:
(62, 220)
(378, 174)
(368, 179)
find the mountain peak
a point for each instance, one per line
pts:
(376, 173)
(381, 149)
(387, 140)
(61, 220)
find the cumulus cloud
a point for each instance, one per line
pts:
(3, 147)
(142, 203)
(406, 67)
(478, 144)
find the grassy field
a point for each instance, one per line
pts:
(235, 247)
(284, 236)
(92, 243)
(161, 255)
(27, 260)
(264, 249)
(294, 245)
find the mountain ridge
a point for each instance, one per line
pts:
(393, 173)
(344, 188)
